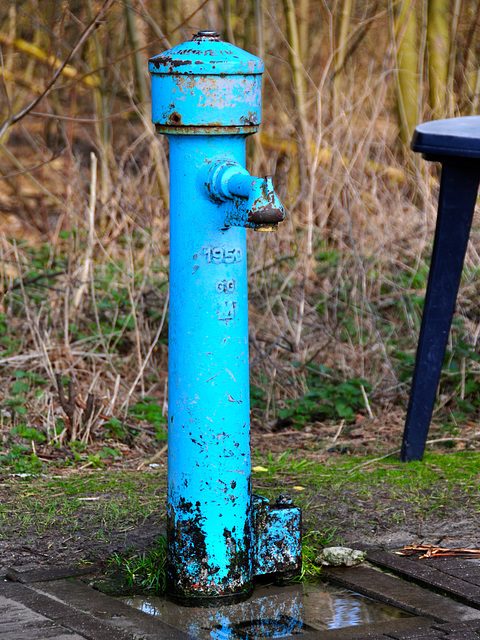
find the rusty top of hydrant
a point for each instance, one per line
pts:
(206, 54)
(206, 86)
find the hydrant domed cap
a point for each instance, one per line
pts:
(206, 55)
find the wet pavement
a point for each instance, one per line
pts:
(274, 611)
(442, 596)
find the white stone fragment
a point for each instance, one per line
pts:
(340, 556)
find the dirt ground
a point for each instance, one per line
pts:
(379, 520)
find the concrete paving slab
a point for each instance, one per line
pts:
(33, 634)
(457, 627)
(45, 574)
(415, 634)
(53, 608)
(20, 622)
(427, 575)
(111, 611)
(90, 627)
(464, 568)
(404, 595)
(380, 630)
(68, 609)
(118, 623)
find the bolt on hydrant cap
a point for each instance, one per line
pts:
(207, 35)
(284, 500)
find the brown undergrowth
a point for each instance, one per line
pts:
(336, 292)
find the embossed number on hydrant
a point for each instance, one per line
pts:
(226, 310)
(225, 286)
(217, 255)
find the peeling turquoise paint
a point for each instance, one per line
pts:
(206, 97)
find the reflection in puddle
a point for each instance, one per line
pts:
(272, 612)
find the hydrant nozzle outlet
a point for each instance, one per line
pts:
(248, 201)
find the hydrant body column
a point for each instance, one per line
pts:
(206, 97)
(209, 519)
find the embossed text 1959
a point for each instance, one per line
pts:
(217, 255)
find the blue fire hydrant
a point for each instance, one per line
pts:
(206, 97)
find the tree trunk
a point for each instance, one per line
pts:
(438, 55)
(407, 78)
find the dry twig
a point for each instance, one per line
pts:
(432, 551)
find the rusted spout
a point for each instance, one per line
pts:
(250, 202)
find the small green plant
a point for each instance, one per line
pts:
(9, 343)
(107, 453)
(16, 398)
(29, 433)
(14, 410)
(116, 429)
(463, 378)
(405, 361)
(20, 459)
(25, 381)
(313, 542)
(257, 397)
(328, 398)
(144, 572)
(149, 410)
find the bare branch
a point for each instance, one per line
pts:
(132, 53)
(54, 116)
(83, 38)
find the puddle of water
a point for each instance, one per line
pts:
(272, 612)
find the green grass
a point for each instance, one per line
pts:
(99, 505)
(312, 542)
(440, 482)
(449, 466)
(143, 572)
(99, 502)
(109, 498)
